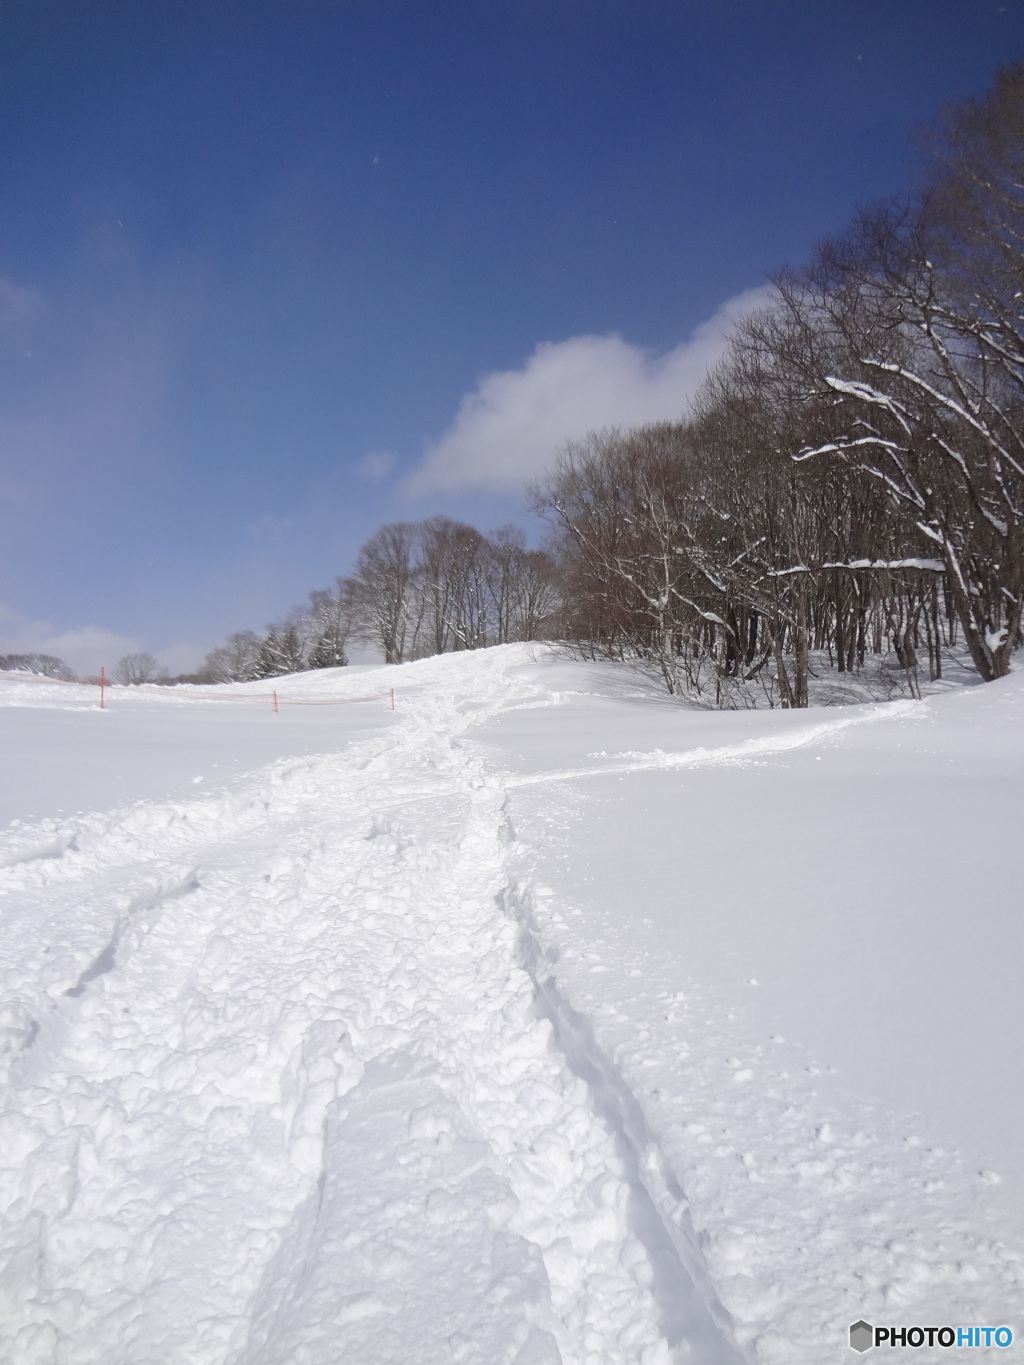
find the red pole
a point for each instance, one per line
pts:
(103, 683)
(275, 701)
(392, 699)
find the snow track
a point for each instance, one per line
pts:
(288, 1082)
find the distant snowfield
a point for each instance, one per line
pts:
(542, 1019)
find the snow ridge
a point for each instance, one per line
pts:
(691, 1311)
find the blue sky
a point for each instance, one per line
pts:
(274, 273)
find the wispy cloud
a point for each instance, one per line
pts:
(377, 465)
(85, 648)
(181, 657)
(268, 526)
(510, 426)
(18, 303)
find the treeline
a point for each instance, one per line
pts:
(851, 476)
(418, 588)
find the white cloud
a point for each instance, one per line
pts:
(18, 303)
(180, 658)
(377, 465)
(510, 426)
(88, 648)
(84, 649)
(269, 525)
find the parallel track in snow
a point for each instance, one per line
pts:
(289, 1082)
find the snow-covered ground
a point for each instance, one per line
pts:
(542, 1019)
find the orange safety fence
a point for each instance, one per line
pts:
(334, 701)
(338, 701)
(277, 699)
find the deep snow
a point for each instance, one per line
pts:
(542, 1019)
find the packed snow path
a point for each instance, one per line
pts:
(464, 1042)
(283, 1089)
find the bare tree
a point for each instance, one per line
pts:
(387, 613)
(437, 579)
(234, 661)
(133, 669)
(921, 304)
(469, 596)
(922, 412)
(522, 586)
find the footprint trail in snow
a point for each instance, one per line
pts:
(283, 1089)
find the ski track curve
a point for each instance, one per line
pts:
(288, 1086)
